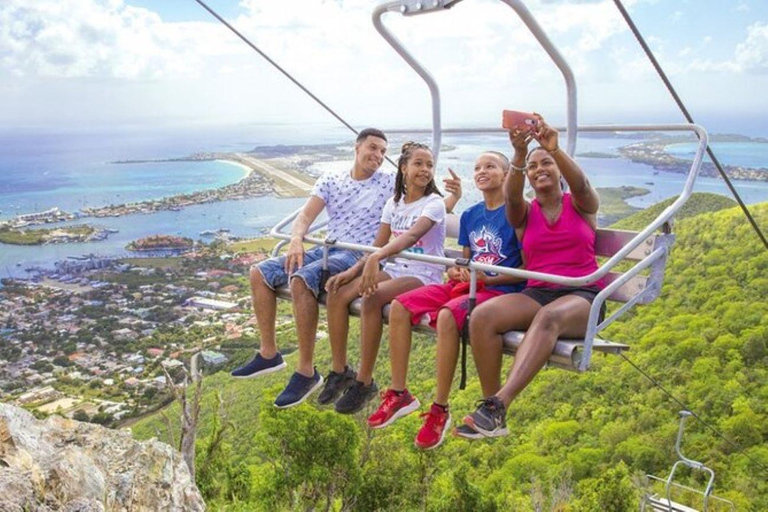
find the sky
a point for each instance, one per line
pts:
(76, 64)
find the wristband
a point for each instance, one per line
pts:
(515, 168)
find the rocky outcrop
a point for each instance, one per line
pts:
(60, 464)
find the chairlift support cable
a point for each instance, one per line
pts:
(283, 71)
(693, 413)
(687, 115)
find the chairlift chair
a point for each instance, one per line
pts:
(647, 250)
(663, 503)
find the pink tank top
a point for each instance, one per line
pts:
(564, 248)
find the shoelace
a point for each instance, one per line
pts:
(389, 400)
(433, 420)
(488, 403)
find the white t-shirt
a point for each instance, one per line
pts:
(354, 206)
(401, 217)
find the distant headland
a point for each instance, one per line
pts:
(654, 152)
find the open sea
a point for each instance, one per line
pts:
(72, 170)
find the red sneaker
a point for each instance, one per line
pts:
(393, 407)
(436, 423)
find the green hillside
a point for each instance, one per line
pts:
(577, 442)
(698, 203)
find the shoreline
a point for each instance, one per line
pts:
(260, 178)
(246, 170)
(653, 152)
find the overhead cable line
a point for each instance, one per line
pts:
(283, 71)
(693, 413)
(688, 116)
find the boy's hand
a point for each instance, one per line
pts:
(453, 184)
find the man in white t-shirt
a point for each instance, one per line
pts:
(354, 200)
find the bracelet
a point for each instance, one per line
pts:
(555, 151)
(515, 168)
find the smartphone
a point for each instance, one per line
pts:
(513, 119)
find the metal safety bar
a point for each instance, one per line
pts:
(280, 225)
(414, 7)
(603, 269)
(592, 328)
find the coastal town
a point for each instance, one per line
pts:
(96, 339)
(654, 152)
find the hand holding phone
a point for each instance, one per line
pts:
(519, 120)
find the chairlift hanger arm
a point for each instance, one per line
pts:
(415, 7)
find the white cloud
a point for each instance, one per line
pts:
(752, 54)
(482, 55)
(103, 39)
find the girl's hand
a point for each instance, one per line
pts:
(368, 284)
(520, 140)
(546, 135)
(452, 184)
(339, 280)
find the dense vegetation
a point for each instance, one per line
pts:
(577, 442)
(699, 202)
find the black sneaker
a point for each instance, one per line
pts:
(467, 432)
(489, 418)
(259, 366)
(356, 396)
(336, 384)
(298, 389)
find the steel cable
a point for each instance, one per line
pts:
(688, 116)
(283, 71)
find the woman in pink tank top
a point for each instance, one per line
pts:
(557, 230)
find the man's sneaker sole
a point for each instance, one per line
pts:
(265, 371)
(499, 432)
(302, 399)
(404, 411)
(467, 433)
(442, 438)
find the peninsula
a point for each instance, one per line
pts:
(68, 234)
(653, 152)
(263, 178)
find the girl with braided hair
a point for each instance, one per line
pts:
(414, 219)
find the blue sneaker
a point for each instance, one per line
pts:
(259, 366)
(298, 389)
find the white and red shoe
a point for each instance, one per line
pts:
(432, 433)
(393, 406)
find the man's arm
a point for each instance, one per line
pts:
(294, 257)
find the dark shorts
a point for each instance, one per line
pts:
(545, 296)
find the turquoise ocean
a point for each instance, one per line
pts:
(74, 169)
